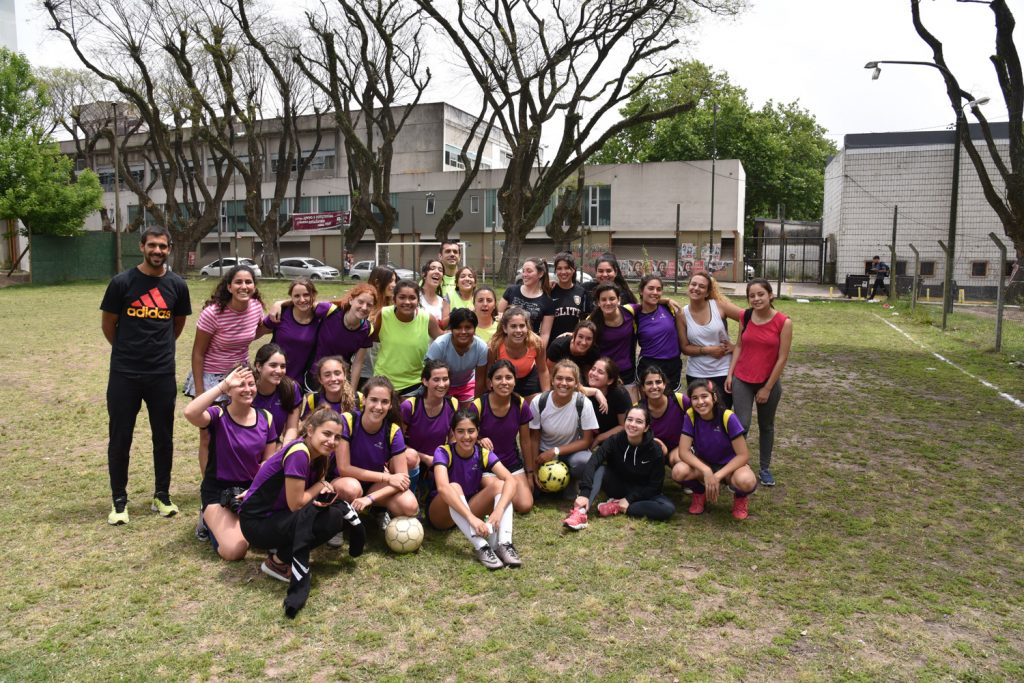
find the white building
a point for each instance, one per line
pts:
(629, 208)
(8, 26)
(876, 172)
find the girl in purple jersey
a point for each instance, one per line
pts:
(346, 329)
(372, 458)
(504, 415)
(616, 332)
(719, 451)
(240, 437)
(276, 392)
(426, 419)
(464, 496)
(290, 507)
(666, 409)
(659, 329)
(295, 324)
(335, 391)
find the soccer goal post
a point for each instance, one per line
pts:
(411, 255)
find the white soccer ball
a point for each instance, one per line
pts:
(404, 534)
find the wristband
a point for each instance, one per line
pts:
(370, 496)
(557, 451)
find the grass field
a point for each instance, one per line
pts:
(891, 549)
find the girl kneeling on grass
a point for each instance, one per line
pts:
(464, 496)
(630, 467)
(719, 451)
(505, 417)
(290, 507)
(240, 437)
(373, 461)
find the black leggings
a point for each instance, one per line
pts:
(125, 394)
(657, 508)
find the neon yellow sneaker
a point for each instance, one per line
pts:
(163, 505)
(118, 513)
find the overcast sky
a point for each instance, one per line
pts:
(808, 50)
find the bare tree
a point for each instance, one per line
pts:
(264, 97)
(365, 62)
(537, 61)
(1003, 188)
(129, 45)
(79, 105)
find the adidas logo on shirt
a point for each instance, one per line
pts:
(150, 305)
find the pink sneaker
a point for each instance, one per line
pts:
(609, 508)
(576, 520)
(739, 508)
(697, 504)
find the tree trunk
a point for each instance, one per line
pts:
(510, 254)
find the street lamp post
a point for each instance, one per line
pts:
(714, 156)
(961, 120)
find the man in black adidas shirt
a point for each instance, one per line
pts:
(144, 311)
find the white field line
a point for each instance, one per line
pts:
(1015, 401)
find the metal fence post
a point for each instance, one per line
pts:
(946, 286)
(999, 290)
(917, 269)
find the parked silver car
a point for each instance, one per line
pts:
(222, 266)
(305, 266)
(361, 270)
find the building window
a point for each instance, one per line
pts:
(1009, 268)
(597, 205)
(323, 160)
(336, 202)
(927, 269)
(901, 268)
(474, 203)
(979, 268)
(430, 202)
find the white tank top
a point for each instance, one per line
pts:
(436, 310)
(712, 334)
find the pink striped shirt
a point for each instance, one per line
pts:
(230, 332)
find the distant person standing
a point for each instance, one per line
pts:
(144, 311)
(880, 269)
(450, 256)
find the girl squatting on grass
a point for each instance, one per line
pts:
(240, 437)
(630, 468)
(372, 458)
(713, 451)
(762, 351)
(505, 416)
(291, 507)
(463, 496)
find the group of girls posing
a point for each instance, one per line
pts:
(510, 405)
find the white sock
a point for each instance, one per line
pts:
(504, 526)
(463, 524)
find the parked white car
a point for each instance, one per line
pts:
(361, 270)
(222, 266)
(305, 266)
